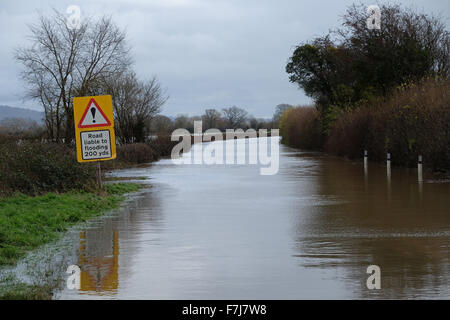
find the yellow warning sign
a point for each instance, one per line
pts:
(94, 128)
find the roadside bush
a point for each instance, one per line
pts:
(153, 150)
(348, 136)
(300, 128)
(34, 168)
(139, 153)
(414, 120)
(161, 146)
(135, 153)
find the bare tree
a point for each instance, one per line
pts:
(235, 117)
(210, 118)
(62, 63)
(49, 63)
(135, 104)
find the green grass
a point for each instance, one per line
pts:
(27, 222)
(23, 291)
(12, 288)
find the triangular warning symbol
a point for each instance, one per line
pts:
(93, 116)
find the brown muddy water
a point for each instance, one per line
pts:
(310, 231)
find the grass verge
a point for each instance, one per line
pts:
(27, 222)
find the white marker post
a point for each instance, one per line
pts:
(419, 169)
(388, 165)
(366, 173)
(365, 160)
(388, 173)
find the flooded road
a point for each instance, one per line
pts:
(310, 231)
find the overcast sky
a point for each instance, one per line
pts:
(207, 53)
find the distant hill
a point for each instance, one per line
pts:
(11, 112)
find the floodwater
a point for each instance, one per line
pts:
(310, 231)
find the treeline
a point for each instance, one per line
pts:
(381, 90)
(226, 118)
(26, 129)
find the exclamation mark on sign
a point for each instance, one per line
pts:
(93, 114)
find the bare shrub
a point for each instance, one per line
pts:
(300, 128)
(413, 120)
(134, 153)
(34, 168)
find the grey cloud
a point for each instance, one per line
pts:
(207, 53)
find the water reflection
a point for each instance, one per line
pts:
(102, 262)
(99, 261)
(406, 233)
(311, 231)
